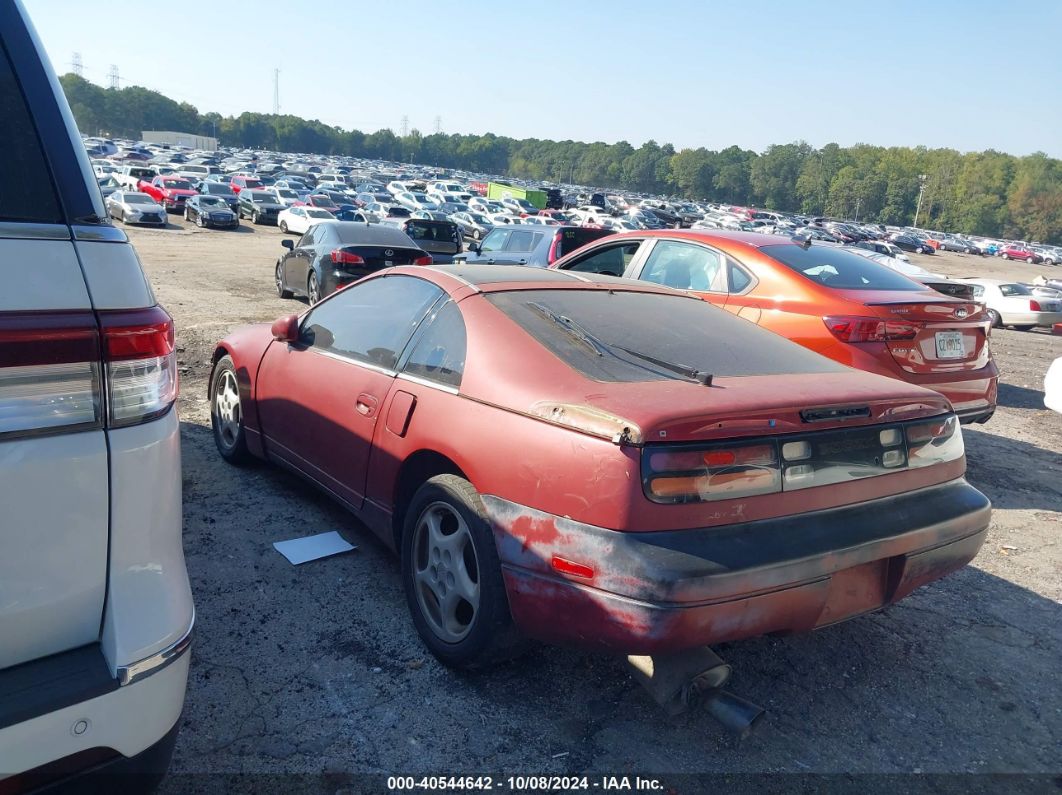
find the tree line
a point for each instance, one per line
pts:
(988, 193)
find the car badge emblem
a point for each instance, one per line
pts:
(960, 313)
(388, 253)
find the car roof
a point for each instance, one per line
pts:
(499, 278)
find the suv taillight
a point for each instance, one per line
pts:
(73, 370)
(140, 363)
(554, 249)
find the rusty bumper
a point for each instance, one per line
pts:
(652, 592)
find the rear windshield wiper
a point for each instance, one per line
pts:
(681, 369)
(599, 347)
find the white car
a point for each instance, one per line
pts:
(396, 187)
(285, 196)
(519, 206)
(415, 201)
(1012, 304)
(1053, 386)
(96, 612)
(298, 220)
(503, 219)
(134, 207)
(478, 204)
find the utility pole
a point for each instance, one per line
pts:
(76, 65)
(921, 189)
(405, 126)
(276, 92)
(571, 173)
(112, 77)
(438, 124)
(857, 210)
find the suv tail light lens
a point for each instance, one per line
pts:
(72, 370)
(141, 365)
(554, 249)
(869, 329)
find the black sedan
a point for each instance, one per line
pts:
(961, 246)
(222, 190)
(260, 206)
(909, 243)
(210, 211)
(335, 253)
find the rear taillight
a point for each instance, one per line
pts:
(704, 473)
(554, 249)
(425, 260)
(71, 371)
(869, 329)
(1034, 306)
(341, 257)
(140, 362)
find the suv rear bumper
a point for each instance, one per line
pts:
(123, 723)
(664, 591)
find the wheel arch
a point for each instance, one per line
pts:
(417, 469)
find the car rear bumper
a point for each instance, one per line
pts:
(672, 590)
(1042, 319)
(131, 721)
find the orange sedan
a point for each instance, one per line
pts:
(844, 306)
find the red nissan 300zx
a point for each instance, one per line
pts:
(599, 461)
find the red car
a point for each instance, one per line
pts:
(242, 181)
(1021, 253)
(170, 192)
(600, 462)
(837, 303)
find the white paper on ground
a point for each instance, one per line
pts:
(301, 550)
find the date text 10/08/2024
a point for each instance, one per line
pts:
(523, 783)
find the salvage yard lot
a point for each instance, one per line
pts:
(318, 668)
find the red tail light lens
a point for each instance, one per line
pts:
(934, 442)
(425, 260)
(1034, 306)
(341, 257)
(869, 329)
(718, 473)
(554, 249)
(141, 365)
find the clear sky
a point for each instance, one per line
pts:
(966, 74)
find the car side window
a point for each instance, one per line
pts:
(738, 278)
(370, 322)
(978, 291)
(685, 267)
(522, 241)
(611, 260)
(495, 241)
(439, 353)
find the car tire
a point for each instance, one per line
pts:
(993, 315)
(226, 413)
(278, 277)
(448, 549)
(254, 218)
(284, 227)
(476, 234)
(1024, 328)
(313, 289)
(186, 214)
(200, 222)
(1004, 255)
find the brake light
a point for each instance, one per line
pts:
(869, 329)
(934, 442)
(425, 260)
(718, 473)
(341, 257)
(74, 370)
(1034, 306)
(554, 249)
(141, 365)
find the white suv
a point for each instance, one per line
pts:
(95, 609)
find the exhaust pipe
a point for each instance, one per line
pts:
(695, 677)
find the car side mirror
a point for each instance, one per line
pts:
(473, 247)
(286, 329)
(288, 244)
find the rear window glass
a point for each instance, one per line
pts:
(629, 330)
(837, 268)
(1014, 289)
(440, 231)
(26, 189)
(576, 237)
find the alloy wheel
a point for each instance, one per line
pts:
(227, 409)
(445, 572)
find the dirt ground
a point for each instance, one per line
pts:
(318, 669)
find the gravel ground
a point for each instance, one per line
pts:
(317, 669)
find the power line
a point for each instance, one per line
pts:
(276, 92)
(112, 77)
(76, 65)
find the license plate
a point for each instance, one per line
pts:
(388, 263)
(950, 345)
